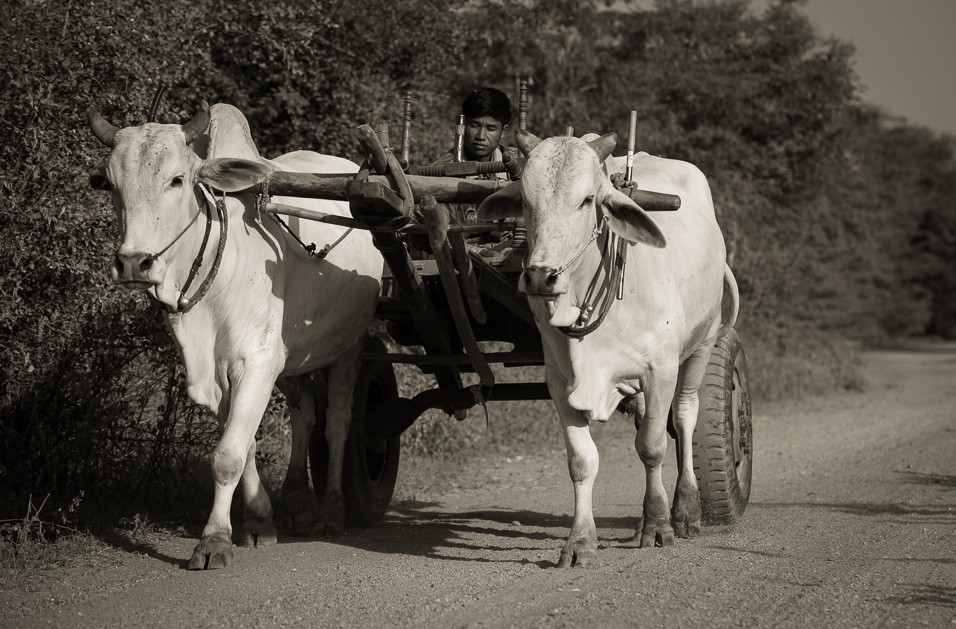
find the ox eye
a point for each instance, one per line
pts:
(177, 181)
(588, 201)
(99, 182)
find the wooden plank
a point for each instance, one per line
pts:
(436, 219)
(466, 273)
(497, 286)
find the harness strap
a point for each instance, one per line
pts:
(613, 288)
(155, 256)
(594, 234)
(197, 262)
(185, 304)
(311, 248)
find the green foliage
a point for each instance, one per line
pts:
(841, 224)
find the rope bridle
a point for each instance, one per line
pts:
(584, 325)
(184, 303)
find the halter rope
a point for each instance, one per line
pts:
(185, 304)
(584, 326)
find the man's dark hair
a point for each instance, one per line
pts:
(487, 101)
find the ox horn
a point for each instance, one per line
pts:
(604, 146)
(102, 129)
(154, 105)
(526, 141)
(198, 125)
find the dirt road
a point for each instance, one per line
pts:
(850, 523)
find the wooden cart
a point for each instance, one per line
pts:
(444, 296)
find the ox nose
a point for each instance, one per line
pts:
(132, 266)
(543, 280)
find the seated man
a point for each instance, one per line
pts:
(487, 114)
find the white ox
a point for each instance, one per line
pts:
(653, 344)
(271, 312)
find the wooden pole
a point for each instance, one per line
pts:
(460, 139)
(406, 126)
(381, 130)
(523, 104)
(631, 144)
(444, 189)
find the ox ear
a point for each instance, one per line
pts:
(629, 221)
(506, 203)
(232, 174)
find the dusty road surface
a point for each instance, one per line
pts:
(850, 523)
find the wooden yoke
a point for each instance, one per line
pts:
(375, 202)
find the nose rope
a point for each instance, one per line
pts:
(184, 303)
(155, 256)
(585, 325)
(594, 235)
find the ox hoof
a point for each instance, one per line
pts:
(651, 534)
(580, 554)
(686, 526)
(213, 551)
(258, 532)
(685, 514)
(302, 510)
(329, 528)
(333, 517)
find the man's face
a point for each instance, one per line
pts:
(482, 136)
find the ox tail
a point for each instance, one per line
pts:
(729, 302)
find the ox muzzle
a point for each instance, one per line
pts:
(544, 281)
(137, 269)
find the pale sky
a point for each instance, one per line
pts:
(906, 53)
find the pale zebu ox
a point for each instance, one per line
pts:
(270, 312)
(653, 344)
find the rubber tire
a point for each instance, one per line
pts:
(368, 476)
(724, 474)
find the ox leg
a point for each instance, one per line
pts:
(257, 526)
(651, 445)
(342, 376)
(248, 402)
(685, 513)
(583, 462)
(306, 397)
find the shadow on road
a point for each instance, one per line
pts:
(924, 594)
(918, 514)
(946, 481)
(121, 542)
(489, 536)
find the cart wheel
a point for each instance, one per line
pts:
(723, 439)
(369, 469)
